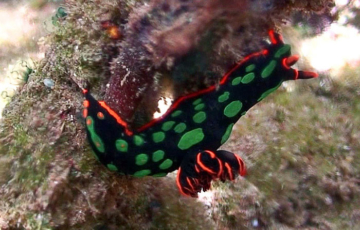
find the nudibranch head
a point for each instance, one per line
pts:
(283, 53)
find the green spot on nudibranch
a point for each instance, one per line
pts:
(267, 71)
(158, 137)
(167, 125)
(224, 97)
(121, 145)
(197, 101)
(266, 93)
(158, 155)
(176, 113)
(282, 51)
(90, 122)
(179, 128)
(236, 81)
(227, 133)
(99, 144)
(232, 109)
(112, 167)
(96, 140)
(199, 106)
(191, 138)
(160, 174)
(248, 78)
(142, 173)
(199, 117)
(250, 68)
(138, 140)
(141, 159)
(166, 164)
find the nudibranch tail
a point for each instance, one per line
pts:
(197, 172)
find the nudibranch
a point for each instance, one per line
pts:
(187, 137)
